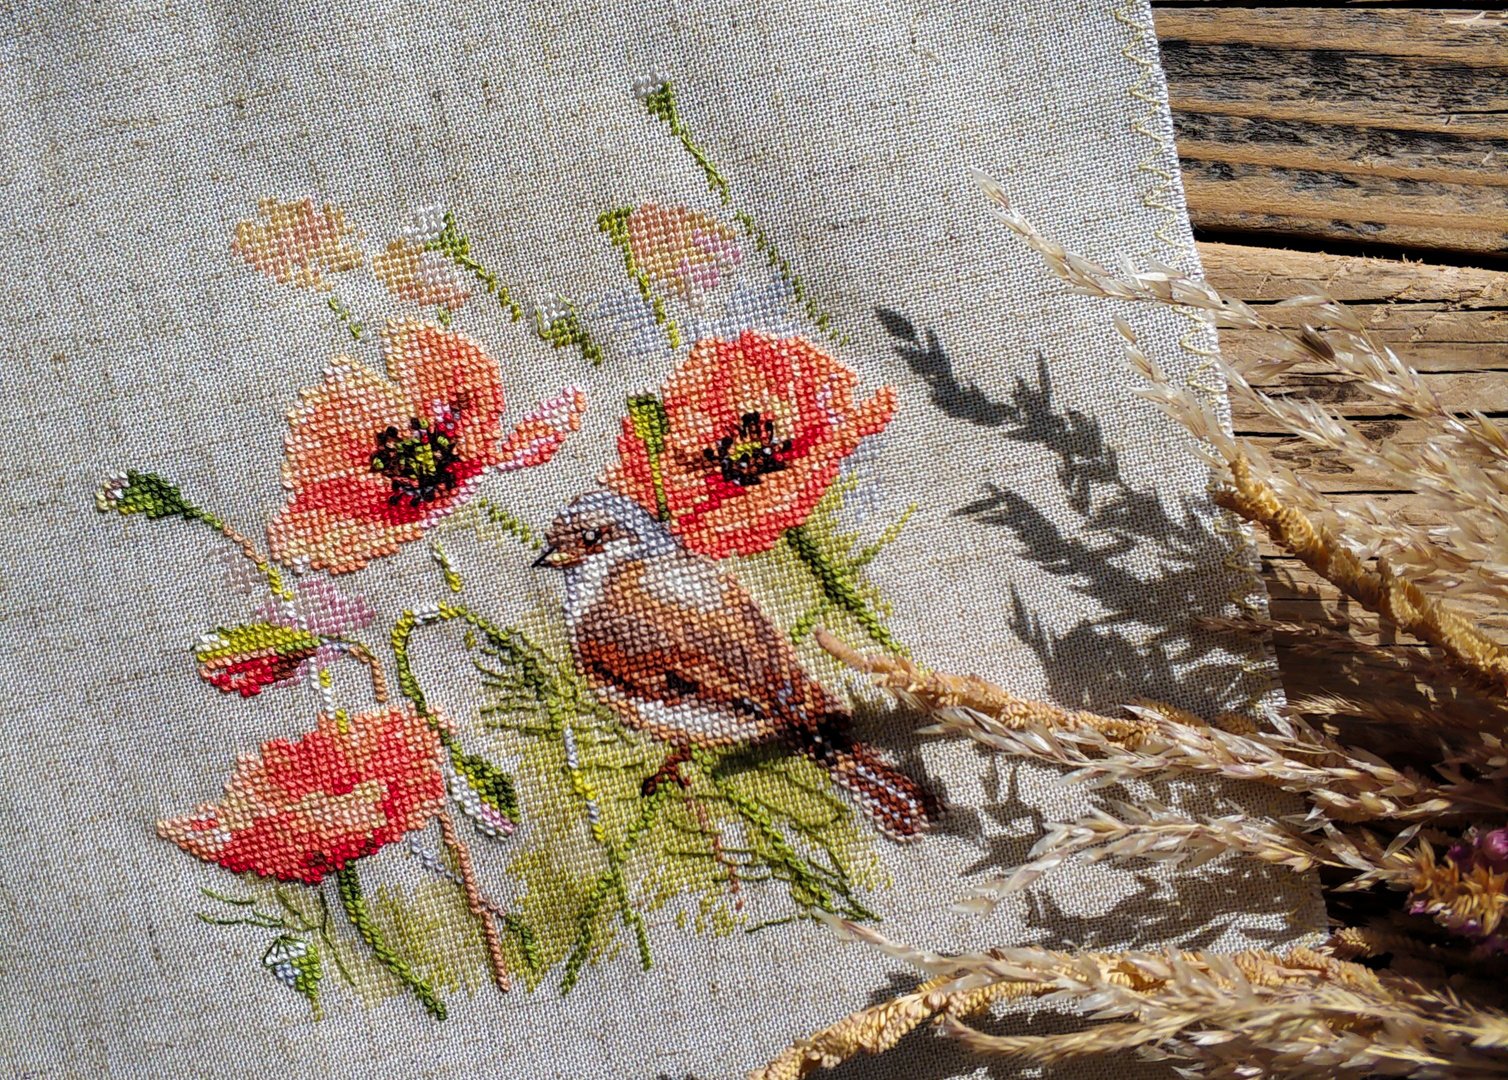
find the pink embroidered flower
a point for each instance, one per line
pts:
(539, 434)
(373, 461)
(683, 250)
(297, 243)
(755, 431)
(300, 810)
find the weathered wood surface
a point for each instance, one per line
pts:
(1359, 125)
(1450, 323)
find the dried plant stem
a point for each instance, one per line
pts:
(936, 691)
(474, 900)
(1303, 1013)
(878, 1028)
(1396, 598)
(1160, 739)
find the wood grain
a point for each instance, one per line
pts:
(1374, 126)
(1450, 323)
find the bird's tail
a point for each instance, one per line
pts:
(901, 807)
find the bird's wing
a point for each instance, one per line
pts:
(700, 644)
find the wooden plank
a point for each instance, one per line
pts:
(1300, 592)
(1282, 129)
(1261, 275)
(1451, 323)
(1483, 390)
(1448, 323)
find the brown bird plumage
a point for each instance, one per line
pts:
(680, 650)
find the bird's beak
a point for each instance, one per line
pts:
(554, 558)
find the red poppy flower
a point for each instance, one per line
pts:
(373, 461)
(300, 810)
(755, 431)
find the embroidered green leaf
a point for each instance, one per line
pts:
(839, 586)
(447, 571)
(563, 330)
(430, 924)
(296, 964)
(449, 240)
(497, 813)
(652, 425)
(135, 492)
(230, 642)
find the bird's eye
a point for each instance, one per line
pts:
(592, 537)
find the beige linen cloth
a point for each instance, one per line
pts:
(1061, 542)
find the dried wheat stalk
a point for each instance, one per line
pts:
(1432, 827)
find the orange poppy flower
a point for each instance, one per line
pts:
(300, 810)
(755, 430)
(373, 461)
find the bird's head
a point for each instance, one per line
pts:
(603, 525)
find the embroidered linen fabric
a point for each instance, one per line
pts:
(437, 435)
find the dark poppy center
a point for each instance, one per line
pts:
(421, 461)
(748, 454)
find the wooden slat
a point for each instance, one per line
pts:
(1298, 588)
(1378, 126)
(1259, 275)
(1450, 323)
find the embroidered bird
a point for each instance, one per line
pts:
(678, 649)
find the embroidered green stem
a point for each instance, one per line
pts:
(343, 313)
(614, 224)
(660, 103)
(613, 883)
(839, 587)
(517, 646)
(349, 888)
(651, 425)
(782, 267)
(293, 919)
(155, 497)
(455, 246)
(808, 621)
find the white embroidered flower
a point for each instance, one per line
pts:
(111, 492)
(649, 84)
(423, 225)
(549, 309)
(282, 960)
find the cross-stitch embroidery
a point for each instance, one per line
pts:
(655, 734)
